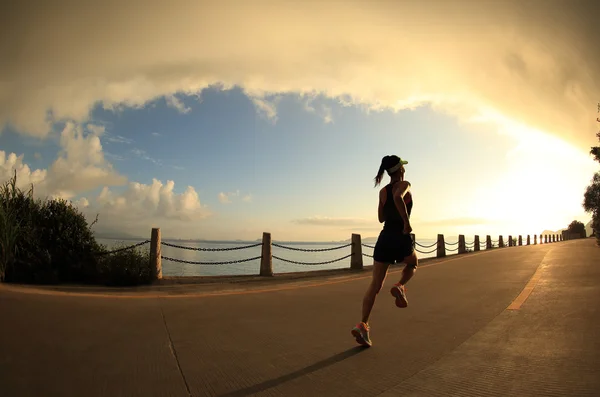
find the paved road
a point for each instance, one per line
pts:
(468, 331)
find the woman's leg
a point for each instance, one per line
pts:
(398, 291)
(379, 273)
(361, 330)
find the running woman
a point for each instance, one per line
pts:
(394, 244)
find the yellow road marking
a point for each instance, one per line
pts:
(519, 300)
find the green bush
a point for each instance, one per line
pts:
(50, 241)
(125, 268)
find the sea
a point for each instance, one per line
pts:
(252, 267)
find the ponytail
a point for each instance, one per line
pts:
(379, 175)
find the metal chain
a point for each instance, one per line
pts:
(311, 263)
(450, 243)
(211, 249)
(123, 249)
(210, 263)
(310, 249)
(453, 249)
(428, 252)
(368, 246)
(370, 256)
(426, 246)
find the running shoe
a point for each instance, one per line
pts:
(399, 292)
(361, 333)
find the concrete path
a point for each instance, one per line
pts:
(520, 321)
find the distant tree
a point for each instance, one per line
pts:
(577, 227)
(591, 198)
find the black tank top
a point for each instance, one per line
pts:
(393, 220)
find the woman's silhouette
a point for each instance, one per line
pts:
(395, 243)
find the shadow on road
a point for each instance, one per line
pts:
(296, 374)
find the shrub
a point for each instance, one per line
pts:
(51, 242)
(125, 268)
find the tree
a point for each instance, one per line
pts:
(577, 228)
(591, 198)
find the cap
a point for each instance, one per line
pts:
(395, 168)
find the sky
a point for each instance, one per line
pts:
(224, 120)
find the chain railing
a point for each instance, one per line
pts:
(103, 253)
(440, 248)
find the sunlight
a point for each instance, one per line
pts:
(542, 185)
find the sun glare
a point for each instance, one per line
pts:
(541, 186)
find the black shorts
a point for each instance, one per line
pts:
(393, 247)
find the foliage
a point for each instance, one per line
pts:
(591, 197)
(50, 241)
(125, 268)
(577, 227)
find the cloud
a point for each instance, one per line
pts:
(144, 156)
(225, 198)
(156, 134)
(484, 59)
(456, 222)
(79, 167)
(118, 139)
(329, 221)
(148, 204)
(176, 103)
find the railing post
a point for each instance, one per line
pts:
(476, 244)
(266, 260)
(462, 248)
(535, 239)
(510, 244)
(488, 242)
(155, 254)
(520, 240)
(356, 260)
(541, 239)
(500, 242)
(441, 246)
(545, 239)
(528, 240)
(554, 238)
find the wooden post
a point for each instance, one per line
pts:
(510, 244)
(528, 240)
(441, 246)
(488, 242)
(541, 239)
(155, 254)
(500, 242)
(266, 260)
(476, 245)
(356, 260)
(520, 240)
(462, 248)
(535, 239)
(554, 238)
(545, 239)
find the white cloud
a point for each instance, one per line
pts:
(176, 103)
(80, 167)
(118, 139)
(380, 54)
(226, 198)
(142, 204)
(144, 156)
(333, 221)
